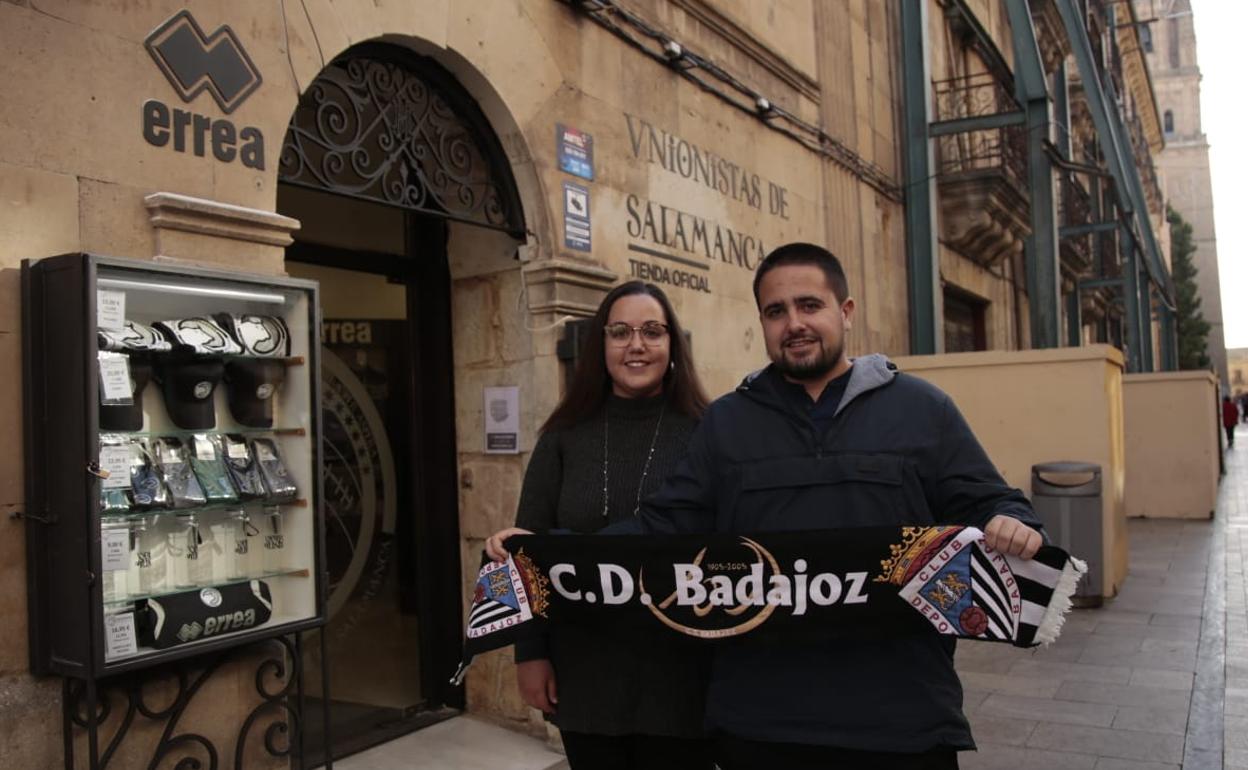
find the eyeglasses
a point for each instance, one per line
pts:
(652, 333)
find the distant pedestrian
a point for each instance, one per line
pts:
(1230, 416)
(1243, 406)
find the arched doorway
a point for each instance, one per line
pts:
(385, 160)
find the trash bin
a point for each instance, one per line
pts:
(1067, 498)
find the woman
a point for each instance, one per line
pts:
(618, 432)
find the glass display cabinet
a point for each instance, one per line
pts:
(172, 466)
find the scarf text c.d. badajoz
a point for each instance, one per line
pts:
(856, 582)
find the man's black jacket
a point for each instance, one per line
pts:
(897, 452)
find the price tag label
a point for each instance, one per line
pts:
(116, 461)
(110, 309)
(237, 450)
(204, 449)
(264, 452)
(169, 455)
(119, 639)
(115, 379)
(115, 548)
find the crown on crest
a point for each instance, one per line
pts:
(535, 583)
(915, 541)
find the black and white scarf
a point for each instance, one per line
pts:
(133, 337)
(264, 336)
(856, 582)
(200, 335)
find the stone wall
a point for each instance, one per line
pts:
(1021, 408)
(1173, 440)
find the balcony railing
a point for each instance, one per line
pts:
(971, 96)
(996, 149)
(982, 174)
(1075, 209)
(1144, 162)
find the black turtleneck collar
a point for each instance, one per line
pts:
(634, 408)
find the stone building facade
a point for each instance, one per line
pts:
(1170, 46)
(544, 151)
(984, 184)
(1237, 368)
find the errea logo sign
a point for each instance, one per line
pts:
(193, 63)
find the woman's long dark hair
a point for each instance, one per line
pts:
(591, 383)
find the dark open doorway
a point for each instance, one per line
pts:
(392, 537)
(385, 150)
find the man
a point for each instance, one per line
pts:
(1230, 416)
(816, 441)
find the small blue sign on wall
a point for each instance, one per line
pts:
(576, 151)
(576, 231)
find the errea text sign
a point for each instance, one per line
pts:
(193, 62)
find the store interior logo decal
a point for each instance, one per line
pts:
(193, 62)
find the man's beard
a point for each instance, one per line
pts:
(811, 368)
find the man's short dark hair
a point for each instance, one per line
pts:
(805, 254)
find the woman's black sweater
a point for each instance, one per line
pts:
(604, 685)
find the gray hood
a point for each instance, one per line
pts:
(867, 374)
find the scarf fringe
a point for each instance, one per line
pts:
(1055, 615)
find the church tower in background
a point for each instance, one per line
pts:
(1168, 35)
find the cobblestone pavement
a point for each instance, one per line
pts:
(1155, 679)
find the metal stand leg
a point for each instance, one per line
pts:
(281, 691)
(93, 724)
(67, 722)
(329, 754)
(302, 702)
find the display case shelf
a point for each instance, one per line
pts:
(135, 598)
(213, 508)
(182, 433)
(286, 360)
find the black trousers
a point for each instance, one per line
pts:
(1230, 435)
(587, 751)
(733, 753)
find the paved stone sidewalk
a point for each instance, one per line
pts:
(1156, 679)
(462, 743)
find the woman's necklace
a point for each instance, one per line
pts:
(606, 421)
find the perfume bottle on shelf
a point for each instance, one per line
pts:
(148, 569)
(184, 551)
(219, 542)
(275, 545)
(247, 557)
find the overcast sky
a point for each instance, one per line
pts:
(1221, 32)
